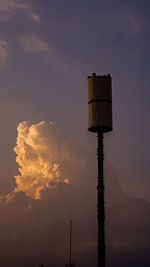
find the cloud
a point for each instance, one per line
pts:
(9, 7)
(25, 220)
(35, 17)
(4, 56)
(127, 225)
(34, 44)
(120, 20)
(42, 156)
(47, 220)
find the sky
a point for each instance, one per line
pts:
(48, 157)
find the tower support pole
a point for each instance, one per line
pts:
(100, 202)
(70, 260)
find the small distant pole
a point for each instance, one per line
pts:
(70, 243)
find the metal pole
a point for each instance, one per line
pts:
(70, 242)
(100, 204)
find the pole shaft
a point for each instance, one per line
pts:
(100, 204)
(70, 242)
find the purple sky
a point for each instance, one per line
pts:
(47, 50)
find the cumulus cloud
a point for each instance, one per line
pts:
(41, 155)
(4, 56)
(9, 7)
(33, 44)
(25, 220)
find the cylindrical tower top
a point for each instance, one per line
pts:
(99, 103)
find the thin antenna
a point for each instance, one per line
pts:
(70, 264)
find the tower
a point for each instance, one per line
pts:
(100, 122)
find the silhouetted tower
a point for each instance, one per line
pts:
(100, 121)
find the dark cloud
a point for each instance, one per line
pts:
(127, 226)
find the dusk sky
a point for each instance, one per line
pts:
(48, 157)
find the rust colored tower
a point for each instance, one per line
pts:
(100, 121)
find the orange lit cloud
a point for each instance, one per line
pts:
(38, 150)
